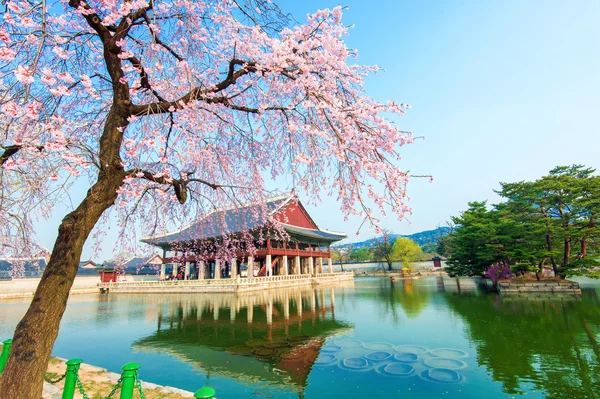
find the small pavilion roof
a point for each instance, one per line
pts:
(245, 218)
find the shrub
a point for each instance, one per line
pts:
(497, 272)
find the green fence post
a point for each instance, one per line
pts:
(71, 378)
(205, 393)
(5, 352)
(129, 375)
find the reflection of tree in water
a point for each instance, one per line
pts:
(411, 297)
(552, 344)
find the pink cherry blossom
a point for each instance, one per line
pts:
(24, 74)
(186, 107)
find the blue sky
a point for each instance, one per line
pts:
(502, 91)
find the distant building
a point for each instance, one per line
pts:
(87, 264)
(142, 265)
(22, 267)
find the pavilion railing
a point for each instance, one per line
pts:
(223, 281)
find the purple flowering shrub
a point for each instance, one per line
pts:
(498, 272)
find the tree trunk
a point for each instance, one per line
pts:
(554, 267)
(36, 332)
(567, 251)
(583, 247)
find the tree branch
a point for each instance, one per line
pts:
(179, 185)
(199, 93)
(93, 20)
(12, 150)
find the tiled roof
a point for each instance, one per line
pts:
(237, 220)
(220, 223)
(318, 235)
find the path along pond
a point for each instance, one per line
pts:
(426, 338)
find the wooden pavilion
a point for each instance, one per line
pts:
(194, 249)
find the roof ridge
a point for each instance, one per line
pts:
(287, 196)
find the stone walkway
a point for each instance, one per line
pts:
(99, 382)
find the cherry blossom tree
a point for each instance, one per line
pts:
(169, 109)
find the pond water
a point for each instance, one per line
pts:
(426, 338)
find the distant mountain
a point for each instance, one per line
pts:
(421, 238)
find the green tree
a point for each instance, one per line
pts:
(382, 251)
(562, 208)
(406, 251)
(470, 247)
(552, 220)
(361, 255)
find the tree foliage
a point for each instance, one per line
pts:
(551, 221)
(406, 251)
(361, 255)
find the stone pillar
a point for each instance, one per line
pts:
(311, 266)
(217, 269)
(233, 268)
(175, 267)
(163, 269)
(284, 264)
(186, 274)
(330, 264)
(201, 267)
(297, 265)
(319, 265)
(250, 267)
(269, 266)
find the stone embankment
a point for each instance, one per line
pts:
(564, 287)
(24, 288)
(386, 273)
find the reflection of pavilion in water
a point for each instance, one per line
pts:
(272, 336)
